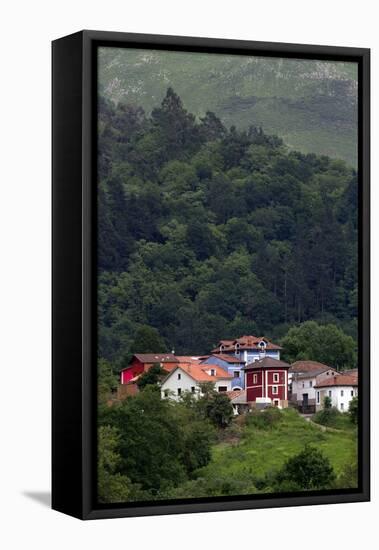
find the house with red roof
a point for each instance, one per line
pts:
(248, 348)
(341, 389)
(142, 362)
(187, 377)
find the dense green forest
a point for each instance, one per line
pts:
(207, 232)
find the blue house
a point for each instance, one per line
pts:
(235, 354)
(230, 363)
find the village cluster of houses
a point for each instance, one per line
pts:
(250, 372)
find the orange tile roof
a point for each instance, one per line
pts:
(340, 380)
(198, 372)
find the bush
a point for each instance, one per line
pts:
(266, 419)
(327, 417)
(353, 410)
(215, 406)
(308, 470)
(327, 402)
(151, 377)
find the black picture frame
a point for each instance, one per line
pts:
(74, 132)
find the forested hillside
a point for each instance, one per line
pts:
(209, 232)
(310, 104)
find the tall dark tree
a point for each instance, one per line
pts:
(117, 214)
(211, 127)
(177, 131)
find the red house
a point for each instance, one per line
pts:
(266, 382)
(141, 362)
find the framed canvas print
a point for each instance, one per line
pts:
(210, 275)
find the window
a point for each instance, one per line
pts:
(213, 372)
(236, 374)
(192, 389)
(341, 393)
(255, 378)
(179, 376)
(274, 390)
(303, 385)
(352, 393)
(179, 391)
(318, 397)
(342, 406)
(330, 393)
(310, 383)
(276, 377)
(166, 393)
(222, 388)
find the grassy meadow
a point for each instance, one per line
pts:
(251, 453)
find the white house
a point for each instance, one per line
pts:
(341, 390)
(188, 377)
(304, 380)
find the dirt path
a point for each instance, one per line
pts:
(320, 426)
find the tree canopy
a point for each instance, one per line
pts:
(209, 232)
(310, 469)
(324, 343)
(158, 443)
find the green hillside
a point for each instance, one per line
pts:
(311, 104)
(251, 453)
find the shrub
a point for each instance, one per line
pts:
(327, 402)
(327, 417)
(308, 470)
(353, 410)
(265, 419)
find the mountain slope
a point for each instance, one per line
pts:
(311, 104)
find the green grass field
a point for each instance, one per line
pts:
(251, 452)
(260, 451)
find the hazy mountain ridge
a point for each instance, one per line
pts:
(311, 104)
